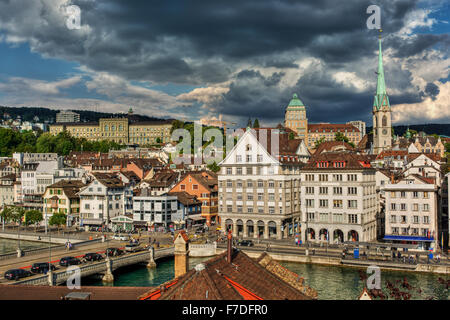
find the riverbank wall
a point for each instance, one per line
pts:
(361, 264)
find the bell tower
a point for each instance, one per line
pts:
(382, 126)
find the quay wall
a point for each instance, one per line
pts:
(332, 261)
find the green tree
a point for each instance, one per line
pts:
(177, 124)
(158, 140)
(340, 137)
(57, 219)
(213, 167)
(6, 214)
(33, 217)
(256, 123)
(319, 142)
(291, 136)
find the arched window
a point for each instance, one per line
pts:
(106, 127)
(384, 121)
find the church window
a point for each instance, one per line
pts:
(384, 121)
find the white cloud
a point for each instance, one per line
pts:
(427, 110)
(26, 86)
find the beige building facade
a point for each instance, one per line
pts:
(120, 130)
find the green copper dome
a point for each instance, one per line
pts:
(295, 102)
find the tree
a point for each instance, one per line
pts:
(6, 214)
(158, 140)
(57, 219)
(256, 124)
(319, 142)
(213, 167)
(291, 136)
(340, 137)
(177, 124)
(33, 217)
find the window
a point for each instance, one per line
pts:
(249, 196)
(309, 190)
(271, 210)
(337, 190)
(337, 217)
(239, 184)
(248, 158)
(249, 170)
(352, 190)
(259, 158)
(393, 207)
(403, 206)
(195, 187)
(271, 197)
(249, 184)
(323, 203)
(229, 184)
(323, 190)
(260, 184)
(323, 177)
(415, 194)
(403, 194)
(271, 184)
(260, 196)
(415, 219)
(238, 158)
(229, 170)
(415, 207)
(352, 204)
(393, 219)
(426, 219)
(425, 195)
(239, 171)
(403, 219)
(310, 203)
(337, 203)
(353, 218)
(249, 209)
(239, 209)
(426, 207)
(229, 209)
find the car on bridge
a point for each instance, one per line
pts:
(41, 267)
(246, 243)
(114, 252)
(69, 261)
(16, 274)
(92, 256)
(133, 247)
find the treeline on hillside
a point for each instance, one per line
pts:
(45, 114)
(431, 128)
(13, 141)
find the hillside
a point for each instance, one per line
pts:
(442, 129)
(49, 115)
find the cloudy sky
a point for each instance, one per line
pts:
(239, 59)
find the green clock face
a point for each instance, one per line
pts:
(385, 131)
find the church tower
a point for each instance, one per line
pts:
(382, 127)
(295, 118)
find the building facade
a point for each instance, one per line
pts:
(411, 211)
(156, 211)
(338, 198)
(327, 132)
(67, 116)
(295, 118)
(120, 130)
(259, 187)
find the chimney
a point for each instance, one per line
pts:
(181, 254)
(229, 246)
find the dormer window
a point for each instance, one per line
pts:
(248, 147)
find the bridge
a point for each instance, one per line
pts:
(99, 267)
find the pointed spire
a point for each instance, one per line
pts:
(381, 85)
(381, 98)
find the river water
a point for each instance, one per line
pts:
(331, 282)
(10, 245)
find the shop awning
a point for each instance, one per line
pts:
(408, 238)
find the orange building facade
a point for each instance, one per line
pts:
(203, 185)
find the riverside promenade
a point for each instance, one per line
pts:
(316, 254)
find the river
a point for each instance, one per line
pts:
(331, 282)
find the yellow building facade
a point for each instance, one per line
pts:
(295, 118)
(119, 130)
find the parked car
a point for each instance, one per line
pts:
(246, 243)
(16, 274)
(114, 252)
(92, 256)
(133, 247)
(41, 267)
(69, 261)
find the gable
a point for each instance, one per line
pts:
(249, 140)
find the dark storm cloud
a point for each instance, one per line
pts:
(432, 90)
(406, 48)
(205, 42)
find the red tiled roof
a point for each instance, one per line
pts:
(331, 127)
(242, 279)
